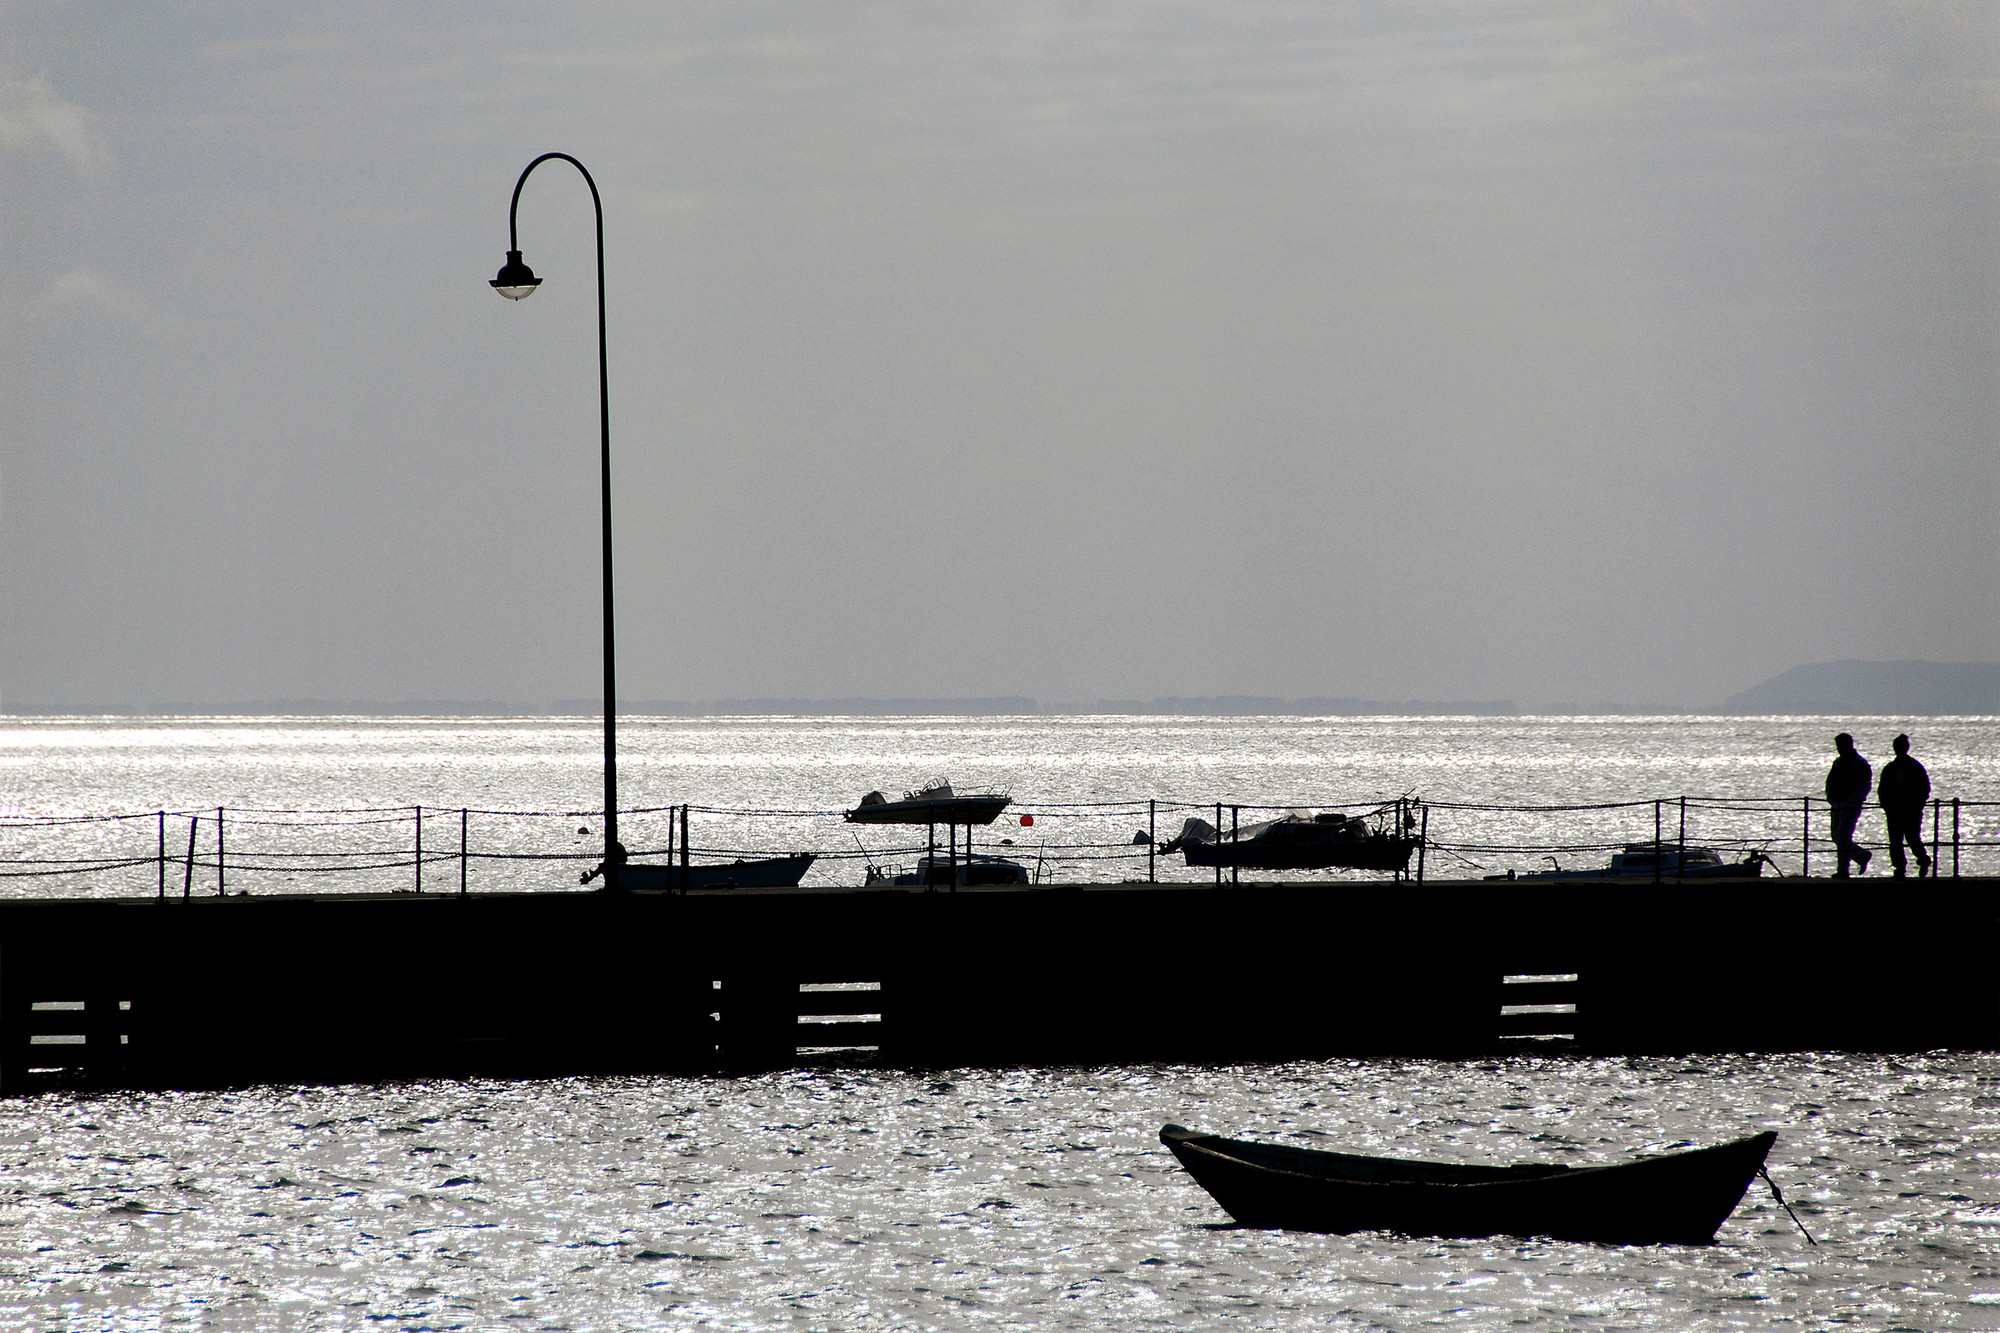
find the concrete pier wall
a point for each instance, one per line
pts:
(224, 991)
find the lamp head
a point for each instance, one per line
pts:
(516, 280)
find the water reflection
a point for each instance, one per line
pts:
(824, 1198)
(94, 766)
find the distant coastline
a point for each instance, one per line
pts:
(1880, 689)
(1917, 689)
(1227, 705)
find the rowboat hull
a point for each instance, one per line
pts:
(1674, 1199)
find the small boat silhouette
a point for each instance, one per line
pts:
(933, 803)
(1674, 1199)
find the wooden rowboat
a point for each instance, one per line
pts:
(1674, 1199)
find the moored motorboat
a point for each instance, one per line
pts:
(965, 870)
(1676, 1198)
(1664, 861)
(1296, 841)
(775, 872)
(933, 803)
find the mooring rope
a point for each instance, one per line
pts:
(1779, 1196)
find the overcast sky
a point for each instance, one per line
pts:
(1552, 351)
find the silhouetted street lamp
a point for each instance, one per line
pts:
(516, 281)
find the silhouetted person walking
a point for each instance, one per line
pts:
(608, 867)
(1903, 790)
(1847, 784)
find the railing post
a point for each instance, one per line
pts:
(1152, 839)
(1805, 837)
(1423, 837)
(1681, 849)
(1656, 842)
(220, 890)
(163, 856)
(1937, 811)
(1954, 837)
(420, 849)
(464, 818)
(1236, 866)
(687, 874)
(187, 880)
(1218, 844)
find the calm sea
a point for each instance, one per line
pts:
(769, 785)
(858, 1198)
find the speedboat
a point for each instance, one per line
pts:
(1298, 840)
(1645, 860)
(776, 872)
(933, 803)
(961, 871)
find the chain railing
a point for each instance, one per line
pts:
(411, 849)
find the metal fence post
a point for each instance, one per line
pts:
(1954, 837)
(420, 849)
(187, 880)
(464, 818)
(220, 891)
(1423, 837)
(1937, 810)
(1656, 842)
(1152, 838)
(163, 856)
(1805, 836)
(1218, 844)
(1681, 849)
(1236, 822)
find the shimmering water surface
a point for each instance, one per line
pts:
(861, 1198)
(92, 765)
(964, 1199)
(515, 773)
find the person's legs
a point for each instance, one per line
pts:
(1907, 826)
(1844, 818)
(1892, 828)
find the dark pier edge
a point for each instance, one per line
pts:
(231, 991)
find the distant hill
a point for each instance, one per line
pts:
(1001, 705)
(1227, 705)
(1255, 705)
(1907, 688)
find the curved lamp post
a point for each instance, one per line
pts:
(516, 281)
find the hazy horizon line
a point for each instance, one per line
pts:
(1003, 706)
(1846, 687)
